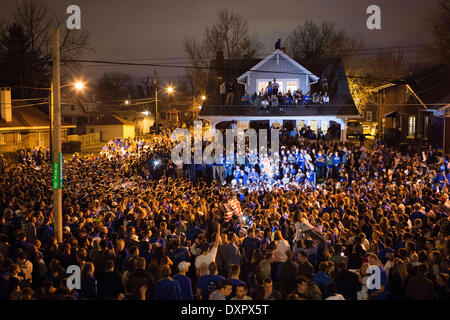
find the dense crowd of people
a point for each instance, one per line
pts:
(142, 227)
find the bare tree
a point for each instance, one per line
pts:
(230, 34)
(39, 20)
(144, 87)
(311, 40)
(439, 24)
(114, 86)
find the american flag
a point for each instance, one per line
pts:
(232, 207)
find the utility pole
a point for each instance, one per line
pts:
(155, 84)
(51, 116)
(193, 109)
(380, 122)
(57, 154)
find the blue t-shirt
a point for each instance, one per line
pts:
(208, 284)
(178, 255)
(185, 285)
(250, 244)
(322, 280)
(382, 254)
(166, 289)
(336, 160)
(320, 160)
(383, 282)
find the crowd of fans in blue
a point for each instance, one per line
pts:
(142, 227)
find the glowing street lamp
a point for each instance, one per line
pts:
(127, 102)
(170, 89)
(79, 85)
(145, 113)
(203, 98)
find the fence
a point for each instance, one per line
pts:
(86, 139)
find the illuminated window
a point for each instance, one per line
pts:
(369, 116)
(291, 85)
(313, 125)
(262, 85)
(2, 138)
(324, 126)
(411, 126)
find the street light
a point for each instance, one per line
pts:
(79, 85)
(203, 98)
(127, 102)
(170, 89)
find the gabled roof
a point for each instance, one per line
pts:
(28, 118)
(111, 119)
(281, 53)
(432, 84)
(331, 68)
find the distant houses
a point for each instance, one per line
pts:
(112, 126)
(411, 110)
(23, 126)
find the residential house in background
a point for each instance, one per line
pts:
(252, 75)
(78, 111)
(23, 126)
(410, 109)
(111, 126)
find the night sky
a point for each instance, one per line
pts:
(147, 29)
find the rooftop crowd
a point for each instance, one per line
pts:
(143, 227)
(271, 97)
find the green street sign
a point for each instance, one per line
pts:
(55, 175)
(61, 162)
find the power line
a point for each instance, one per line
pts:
(30, 105)
(208, 68)
(30, 99)
(264, 54)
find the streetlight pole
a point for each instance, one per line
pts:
(156, 98)
(51, 116)
(57, 154)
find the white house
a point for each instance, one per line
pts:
(290, 75)
(250, 76)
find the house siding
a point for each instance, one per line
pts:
(283, 67)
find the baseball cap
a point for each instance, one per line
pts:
(183, 265)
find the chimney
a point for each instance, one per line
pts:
(219, 65)
(5, 104)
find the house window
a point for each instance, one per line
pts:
(324, 126)
(40, 139)
(262, 85)
(425, 127)
(411, 126)
(2, 138)
(17, 138)
(313, 125)
(369, 116)
(291, 85)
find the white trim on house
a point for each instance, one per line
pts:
(279, 52)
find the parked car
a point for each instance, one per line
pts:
(354, 129)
